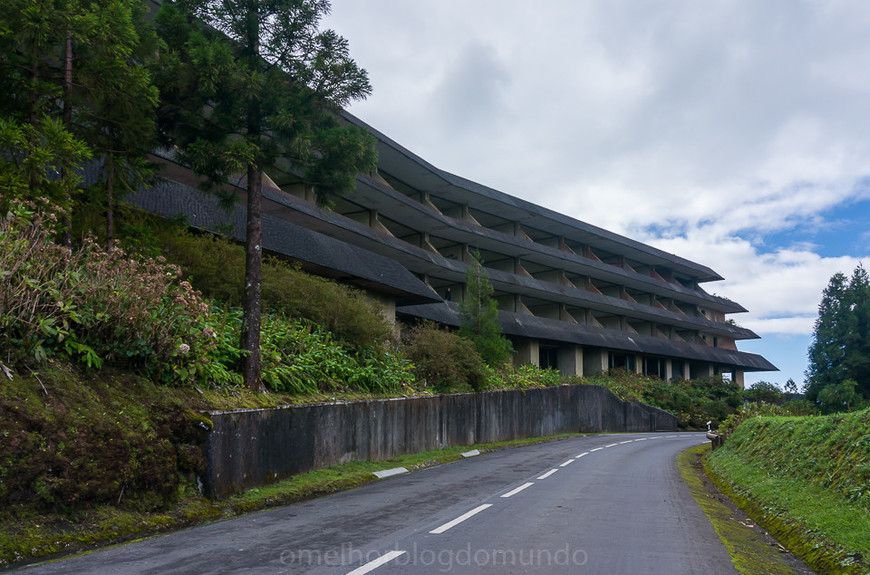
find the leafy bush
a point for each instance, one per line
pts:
(300, 357)
(523, 377)
(443, 361)
(95, 305)
(764, 391)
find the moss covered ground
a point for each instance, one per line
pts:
(753, 551)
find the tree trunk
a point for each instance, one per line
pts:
(66, 240)
(110, 196)
(252, 303)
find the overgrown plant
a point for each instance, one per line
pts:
(523, 377)
(443, 361)
(95, 305)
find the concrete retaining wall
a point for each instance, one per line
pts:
(252, 447)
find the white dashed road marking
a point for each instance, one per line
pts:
(517, 490)
(372, 565)
(460, 519)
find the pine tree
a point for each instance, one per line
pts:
(478, 312)
(258, 90)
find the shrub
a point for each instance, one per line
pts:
(523, 377)
(443, 361)
(300, 357)
(95, 305)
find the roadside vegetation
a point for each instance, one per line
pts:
(118, 329)
(695, 402)
(807, 481)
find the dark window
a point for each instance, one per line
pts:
(617, 360)
(654, 366)
(548, 357)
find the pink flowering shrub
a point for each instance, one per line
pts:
(95, 305)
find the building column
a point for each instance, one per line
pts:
(669, 370)
(527, 352)
(594, 361)
(571, 361)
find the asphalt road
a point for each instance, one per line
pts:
(611, 504)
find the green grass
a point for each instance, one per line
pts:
(804, 480)
(26, 535)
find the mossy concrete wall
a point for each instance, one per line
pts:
(253, 447)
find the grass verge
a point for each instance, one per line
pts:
(27, 537)
(829, 533)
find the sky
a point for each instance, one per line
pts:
(734, 133)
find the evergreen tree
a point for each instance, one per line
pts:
(30, 156)
(81, 60)
(258, 90)
(115, 100)
(840, 349)
(478, 312)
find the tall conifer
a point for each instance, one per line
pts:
(257, 90)
(840, 349)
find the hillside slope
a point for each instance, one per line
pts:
(807, 480)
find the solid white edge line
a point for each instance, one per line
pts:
(372, 565)
(596, 449)
(584, 454)
(517, 490)
(547, 474)
(567, 463)
(460, 519)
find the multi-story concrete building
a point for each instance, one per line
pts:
(571, 295)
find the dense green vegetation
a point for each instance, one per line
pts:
(98, 307)
(838, 376)
(807, 481)
(254, 87)
(701, 400)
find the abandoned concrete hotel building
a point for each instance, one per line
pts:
(571, 296)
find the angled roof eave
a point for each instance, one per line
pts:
(438, 181)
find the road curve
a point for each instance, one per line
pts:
(593, 504)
